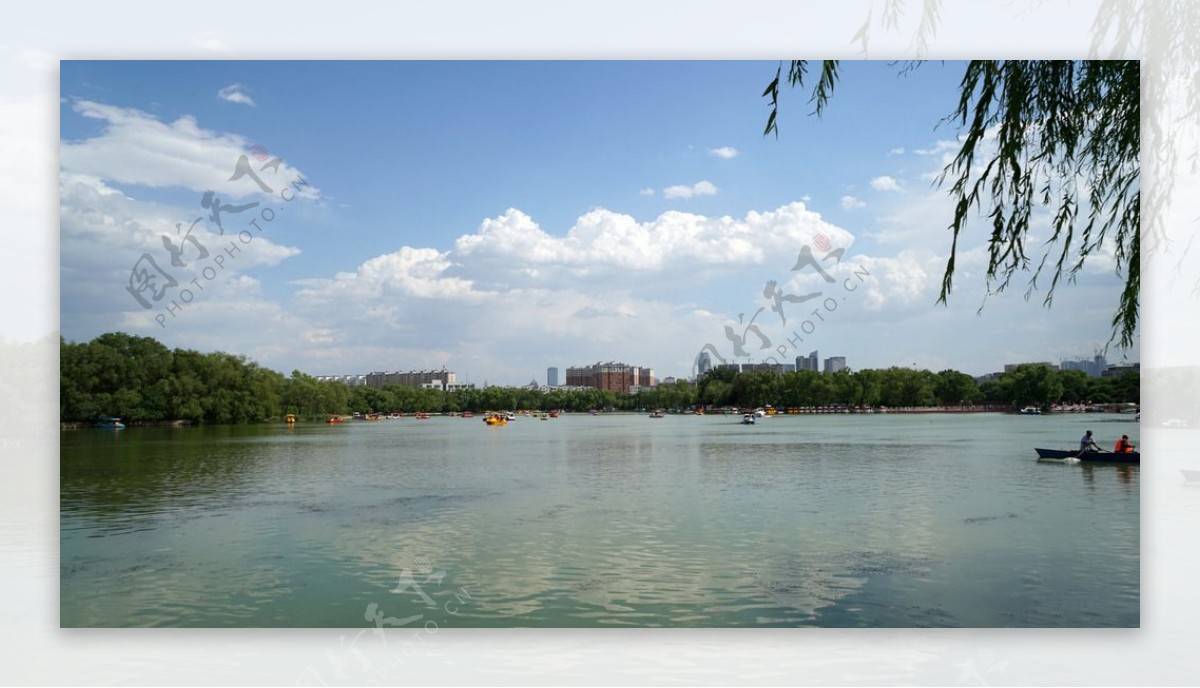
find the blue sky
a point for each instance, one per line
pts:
(501, 217)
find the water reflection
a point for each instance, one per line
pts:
(597, 521)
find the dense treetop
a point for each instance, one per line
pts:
(140, 380)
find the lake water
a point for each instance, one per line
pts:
(601, 521)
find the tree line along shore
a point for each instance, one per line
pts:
(141, 381)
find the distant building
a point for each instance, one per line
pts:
(1009, 367)
(552, 377)
(778, 368)
(1093, 367)
(414, 378)
(703, 363)
(348, 380)
(809, 362)
(613, 376)
(835, 363)
(1118, 371)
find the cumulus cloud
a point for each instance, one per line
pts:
(236, 93)
(512, 286)
(513, 249)
(724, 152)
(137, 148)
(852, 203)
(700, 188)
(409, 272)
(885, 183)
(648, 191)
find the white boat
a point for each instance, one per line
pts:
(748, 419)
(1031, 411)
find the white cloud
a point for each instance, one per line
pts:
(939, 148)
(700, 188)
(137, 148)
(212, 42)
(648, 191)
(510, 294)
(885, 183)
(724, 152)
(236, 93)
(409, 272)
(899, 150)
(852, 203)
(514, 249)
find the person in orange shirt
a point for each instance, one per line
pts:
(1123, 445)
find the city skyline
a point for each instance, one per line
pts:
(449, 232)
(1094, 366)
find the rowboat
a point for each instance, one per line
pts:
(1106, 456)
(110, 424)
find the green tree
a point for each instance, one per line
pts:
(1074, 384)
(1067, 140)
(952, 387)
(1032, 384)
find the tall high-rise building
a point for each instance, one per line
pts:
(835, 363)
(1093, 368)
(810, 362)
(703, 363)
(552, 377)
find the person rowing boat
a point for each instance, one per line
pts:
(1087, 443)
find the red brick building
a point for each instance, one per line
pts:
(616, 377)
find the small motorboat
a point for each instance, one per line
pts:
(496, 419)
(1098, 456)
(656, 414)
(748, 419)
(335, 419)
(109, 424)
(422, 416)
(1031, 411)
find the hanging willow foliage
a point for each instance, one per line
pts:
(1061, 136)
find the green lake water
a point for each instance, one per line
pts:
(601, 521)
